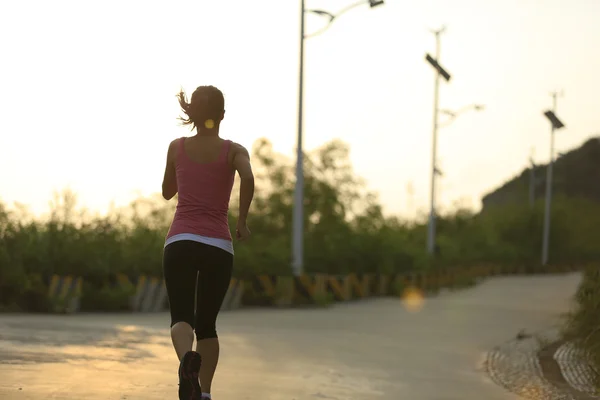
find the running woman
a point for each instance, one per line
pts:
(198, 252)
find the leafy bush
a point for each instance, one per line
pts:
(346, 231)
(106, 297)
(583, 325)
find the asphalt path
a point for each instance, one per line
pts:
(386, 349)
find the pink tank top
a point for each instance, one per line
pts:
(204, 193)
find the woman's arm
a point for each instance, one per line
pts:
(169, 185)
(241, 163)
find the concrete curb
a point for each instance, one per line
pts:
(514, 365)
(541, 367)
(575, 368)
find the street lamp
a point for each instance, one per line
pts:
(454, 114)
(298, 216)
(331, 17)
(441, 72)
(555, 124)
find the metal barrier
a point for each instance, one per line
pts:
(65, 292)
(150, 293)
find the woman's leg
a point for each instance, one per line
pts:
(213, 283)
(182, 336)
(180, 279)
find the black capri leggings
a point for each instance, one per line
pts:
(188, 265)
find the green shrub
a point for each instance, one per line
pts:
(346, 231)
(583, 324)
(107, 297)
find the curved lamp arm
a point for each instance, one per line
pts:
(332, 17)
(454, 114)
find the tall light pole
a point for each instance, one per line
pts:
(298, 216)
(555, 124)
(439, 73)
(298, 213)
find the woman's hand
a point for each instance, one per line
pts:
(241, 231)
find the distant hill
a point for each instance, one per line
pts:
(575, 174)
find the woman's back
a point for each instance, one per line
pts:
(204, 181)
(198, 253)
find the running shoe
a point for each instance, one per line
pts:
(189, 387)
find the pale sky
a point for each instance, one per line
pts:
(87, 89)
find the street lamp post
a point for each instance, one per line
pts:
(440, 71)
(298, 213)
(555, 124)
(298, 216)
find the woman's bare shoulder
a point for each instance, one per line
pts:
(237, 148)
(172, 152)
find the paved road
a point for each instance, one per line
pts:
(377, 349)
